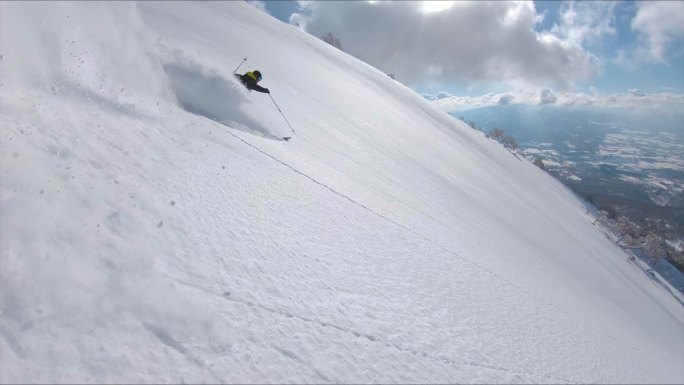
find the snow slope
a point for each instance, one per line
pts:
(153, 230)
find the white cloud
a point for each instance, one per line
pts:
(586, 22)
(633, 99)
(506, 99)
(259, 4)
(636, 92)
(436, 5)
(470, 43)
(659, 23)
(546, 96)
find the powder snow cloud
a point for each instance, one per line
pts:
(470, 43)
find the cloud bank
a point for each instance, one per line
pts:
(470, 43)
(634, 99)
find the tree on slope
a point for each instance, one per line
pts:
(332, 40)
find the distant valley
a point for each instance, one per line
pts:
(630, 162)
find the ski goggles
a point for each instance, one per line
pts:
(258, 77)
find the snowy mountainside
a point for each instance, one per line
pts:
(153, 229)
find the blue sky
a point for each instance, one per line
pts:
(471, 49)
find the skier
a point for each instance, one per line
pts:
(250, 80)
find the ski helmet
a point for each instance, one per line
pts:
(257, 74)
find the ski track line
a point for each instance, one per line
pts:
(369, 337)
(444, 248)
(382, 191)
(165, 338)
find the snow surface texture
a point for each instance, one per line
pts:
(152, 229)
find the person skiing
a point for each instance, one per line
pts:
(250, 80)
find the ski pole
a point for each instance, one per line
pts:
(243, 60)
(281, 113)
